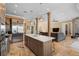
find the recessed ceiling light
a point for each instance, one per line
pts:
(40, 3)
(43, 3)
(25, 11)
(48, 9)
(16, 5)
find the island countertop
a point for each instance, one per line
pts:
(41, 38)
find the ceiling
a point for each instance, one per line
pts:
(60, 11)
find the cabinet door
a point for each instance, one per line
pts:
(2, 9)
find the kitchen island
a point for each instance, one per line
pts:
(39, 44)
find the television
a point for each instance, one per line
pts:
(55, 29)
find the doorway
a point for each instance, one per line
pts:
(66, 29)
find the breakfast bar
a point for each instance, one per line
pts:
(40, 45)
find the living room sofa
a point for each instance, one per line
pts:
(58, 36)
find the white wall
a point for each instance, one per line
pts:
(63, 28)
(43, 26)
(76, 26)
(69, 24)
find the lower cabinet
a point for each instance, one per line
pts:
(39, 48)
(4, 46)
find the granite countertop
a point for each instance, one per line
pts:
(40, 37)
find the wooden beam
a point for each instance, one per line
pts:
(13, 17)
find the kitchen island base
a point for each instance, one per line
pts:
(39, 45)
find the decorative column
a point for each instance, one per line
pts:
(7, 25)
(24, 31)
(10, 25)
(10, 29)
(24, 25)
(37, 25)
(73, 28)
(49, 23)
(17, 25)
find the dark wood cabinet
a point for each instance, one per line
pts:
(38, 45)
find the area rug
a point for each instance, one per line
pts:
(75, 44)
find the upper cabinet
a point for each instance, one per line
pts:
(2, 13)
(2, 9)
